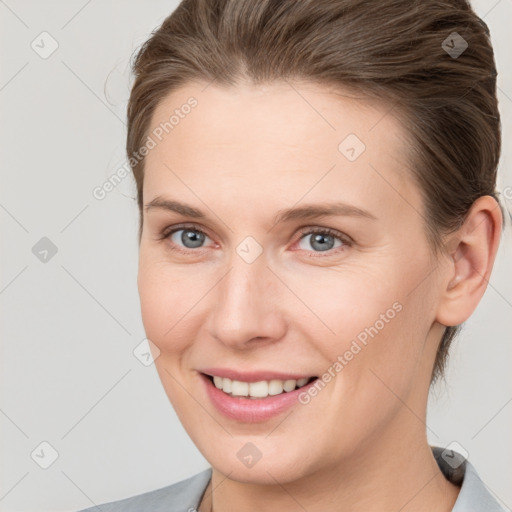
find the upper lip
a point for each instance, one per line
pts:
(253, 376)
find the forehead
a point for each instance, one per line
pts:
(288, 138)
(308, 111)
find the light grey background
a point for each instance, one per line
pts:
(70, 325)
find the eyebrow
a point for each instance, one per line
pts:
(174, 206)
(305, 212)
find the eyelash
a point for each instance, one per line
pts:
(347, 242)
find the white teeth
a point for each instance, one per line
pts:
(289, 385)
(239, 388)
(227, 385)
(275, 387)
(260, 389)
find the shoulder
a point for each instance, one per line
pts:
(182, 496)
(473, 495)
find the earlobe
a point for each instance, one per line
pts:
(474, 248)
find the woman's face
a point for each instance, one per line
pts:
(252, 284)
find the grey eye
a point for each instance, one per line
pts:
(321, 241)
(190, 238)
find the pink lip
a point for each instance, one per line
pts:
(250, 410)
(254, 376)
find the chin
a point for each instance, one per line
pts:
(257, 461)
(263, 473)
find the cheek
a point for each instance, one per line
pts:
(370, 320)
(169, 299)
(349, 302)
(371, 360)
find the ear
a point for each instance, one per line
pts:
(472, 251)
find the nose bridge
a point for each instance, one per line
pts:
(247, 305)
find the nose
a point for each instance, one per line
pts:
(248, 306)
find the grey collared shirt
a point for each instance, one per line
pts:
(185, 496)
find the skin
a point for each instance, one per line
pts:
(241, 155)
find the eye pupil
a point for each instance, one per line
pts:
(193, 237)
(325, 242)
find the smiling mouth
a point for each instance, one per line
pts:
(260, 389)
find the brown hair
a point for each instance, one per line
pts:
(403, 52)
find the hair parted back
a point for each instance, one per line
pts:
(386, 49)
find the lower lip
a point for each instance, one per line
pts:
(252, 410)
